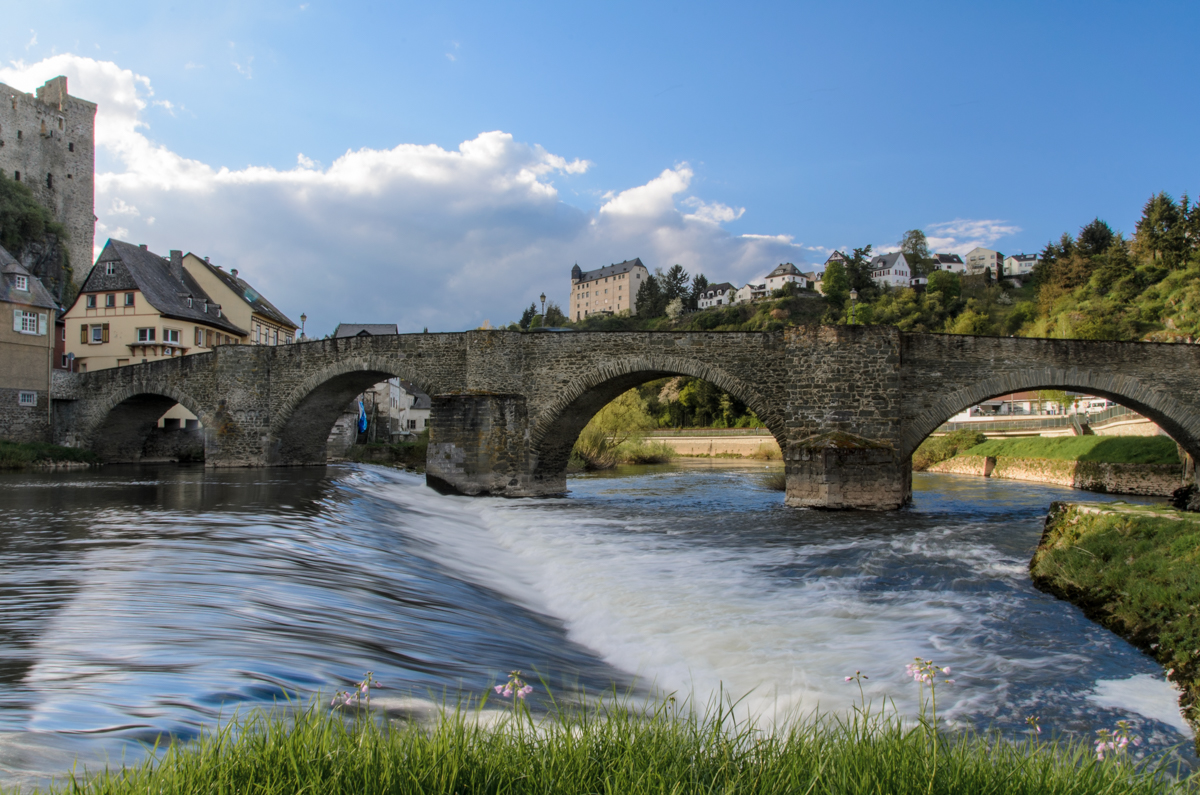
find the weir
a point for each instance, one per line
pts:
(848, 405)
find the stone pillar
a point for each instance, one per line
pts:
(479, 444)
(838, 470)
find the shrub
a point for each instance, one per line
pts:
(936, 449)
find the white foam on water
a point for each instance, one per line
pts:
(696, 619)
(1151, 697)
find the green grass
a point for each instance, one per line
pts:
(1106, 449)
(936, 449)
(1136, 570)
(612, 750)
(19, 455)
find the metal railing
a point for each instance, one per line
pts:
(1010, 423)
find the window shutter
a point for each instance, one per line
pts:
(83, 334)
(104, 333)
(17, 313)
(42, 324)
(199, 338)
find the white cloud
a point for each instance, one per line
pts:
(32, 39)
(416, 234)
(961, 235)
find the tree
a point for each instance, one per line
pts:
(835, 284)
(675, 307)
(675, 283)
(650, 299)
(1162, 232)
(971, 322)
(916, 251)
(527, 316)
(554, 315)
(699, 285)
(624, 418)
(946, 283)
(1095, 238)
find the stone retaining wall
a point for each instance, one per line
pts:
(1151, 480)
(744, 446)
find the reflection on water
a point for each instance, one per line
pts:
(155, 599)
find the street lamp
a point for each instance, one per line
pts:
(303, 318)
(543, 306)
(853, 307)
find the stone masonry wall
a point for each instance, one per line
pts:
(24, 423)
(1153, 480)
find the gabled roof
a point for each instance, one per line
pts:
(141, 269)
(948, 259)
(785, 269)
(713, 289)
(887, 260)
(1023, 257)
(420, 399)
(611, 270)
(243, 290)
(37, 294)
(365, 329)
(836, 256)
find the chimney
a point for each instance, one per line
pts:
(177, 265)
(143, 247)
(234, 272)
(206, 260)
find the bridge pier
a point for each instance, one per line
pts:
(839, 470)
(479, 445)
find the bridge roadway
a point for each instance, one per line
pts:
(847, 404)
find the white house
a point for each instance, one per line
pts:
(786, 273)
(980, 259)
(948, 262)
(891, 270)
(722, 294)
(1020, 264)
(751, 292)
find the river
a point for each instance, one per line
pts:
(145, 600)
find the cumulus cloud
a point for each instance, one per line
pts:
(961, 235)
(416, 234)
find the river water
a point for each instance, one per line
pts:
(141, 600)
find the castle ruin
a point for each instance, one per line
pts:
(48, 142)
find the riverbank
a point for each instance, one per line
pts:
(38, 455)
(606, 748)
(1148, 466)
(1132, 569)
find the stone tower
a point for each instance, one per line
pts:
(48, 142)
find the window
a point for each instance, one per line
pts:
(110, 268)
(22, 283)
(65, 362)
(145, 335)
(275, 337)
(256, 334)
(110, 301)
(17, 174)
(70, 148)
(29, 322)
(170, 336)
(128, 299)
(99, 333)
(27, 399)
(64, 333)
(50, 181)
(91, 302)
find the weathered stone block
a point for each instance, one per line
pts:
(839, 470)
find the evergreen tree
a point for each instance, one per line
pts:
(527, 316)
(858, 272)
(554, 315)
(699, 285)
(650, 299)
(1095, 238)
(1162, 232)
(675, 283)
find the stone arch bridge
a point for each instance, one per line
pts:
(848, 404)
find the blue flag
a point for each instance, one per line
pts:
(362, 418)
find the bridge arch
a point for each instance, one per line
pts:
(1182, 424)
(125, 418)
(556, 427)
(300, 424)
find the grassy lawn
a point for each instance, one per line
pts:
(1105, 449)
(1136, 570)
(603, 750)
(19, 455)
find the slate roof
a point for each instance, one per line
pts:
(886, 260)
(1025, 257)
(242, 288)
(420, 399)
(712, 289)
(37, 294)
(140, 269)
(785, 269)
(948, 259)
(365, 329)
(600, 273)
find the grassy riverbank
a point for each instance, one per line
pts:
(1102, 449)
(599, 750)
(1135, 570)
(22, 455)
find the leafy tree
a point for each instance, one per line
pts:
(527, 316)
(675, 283)
(650, 299)
(858, 272)
(623, 418)
(915, 247)
(835, 284)
(971, 322)
(675, 307)
(947, 283)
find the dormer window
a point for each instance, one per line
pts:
(110, 268)
(189, 302)
(22, 283)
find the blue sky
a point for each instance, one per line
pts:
(728, 138)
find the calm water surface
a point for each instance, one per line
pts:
(141, 600)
